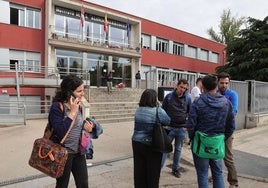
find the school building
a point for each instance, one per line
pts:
(43, 40)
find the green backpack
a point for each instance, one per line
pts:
(206, 146)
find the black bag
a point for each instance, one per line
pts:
(160, 140)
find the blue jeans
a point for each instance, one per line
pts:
(138, 81)
(202, 167)
(179, 135)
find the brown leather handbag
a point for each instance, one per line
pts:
(47, 156)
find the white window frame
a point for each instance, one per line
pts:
(178, 49)
(23, 19)
(162, 45)
(146, 41)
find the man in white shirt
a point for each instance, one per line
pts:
(196, 91)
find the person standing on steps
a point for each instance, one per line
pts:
(177, 105)
(109, 79)
(232, 96)
(138, 79)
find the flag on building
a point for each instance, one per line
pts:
(82, 16)
(105, 24)
(128, 28)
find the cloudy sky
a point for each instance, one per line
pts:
(193, 16)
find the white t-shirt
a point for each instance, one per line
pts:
(195, 93)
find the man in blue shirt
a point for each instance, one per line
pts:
(223, 83)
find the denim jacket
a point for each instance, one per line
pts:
(145, 119)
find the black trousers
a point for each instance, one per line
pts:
(76, 163)
(147, 166)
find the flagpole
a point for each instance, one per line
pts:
(82, 20)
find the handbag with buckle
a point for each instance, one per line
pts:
(47, 156)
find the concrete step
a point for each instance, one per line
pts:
(112, 116)
(119, 106)
(100, 112)
(115, 120)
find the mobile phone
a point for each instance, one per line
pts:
(71, 94)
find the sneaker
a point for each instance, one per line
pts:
(169, 165)
(182, 170)
(234, 186)
(176, 173)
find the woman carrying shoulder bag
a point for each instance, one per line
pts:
(65, 109)
(147, 162)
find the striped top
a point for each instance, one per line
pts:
(73, 139)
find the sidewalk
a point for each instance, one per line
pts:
(114, 143)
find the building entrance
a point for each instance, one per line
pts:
(99, 69)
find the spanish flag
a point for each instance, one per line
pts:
(82, 16)
(105, 25)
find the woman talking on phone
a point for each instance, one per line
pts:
(65, 109)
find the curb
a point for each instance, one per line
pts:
(187, 161)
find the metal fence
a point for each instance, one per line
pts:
(258, 97)
(241, 87)
(12, 113)
(253, 95)
(169, 78)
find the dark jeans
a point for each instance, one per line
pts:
(147, 166)
(76, 164)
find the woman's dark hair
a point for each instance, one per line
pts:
(67, 86)
(148, 98)
(209, 82)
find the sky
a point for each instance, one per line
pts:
(193, 16)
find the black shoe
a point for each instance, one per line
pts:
(176, 173)
(169, 165)
(182, 170)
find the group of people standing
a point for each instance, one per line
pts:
(211, 108)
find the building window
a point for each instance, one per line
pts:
(69, 62)
(161, 45)
(146, 41)
(117, 38)
(215, 57)
(68, 24)
(27, 61)
(192, 52)
(204, 55)
(25, 16)
(177, 49)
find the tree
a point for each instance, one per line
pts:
(248, 52)
(229, 27)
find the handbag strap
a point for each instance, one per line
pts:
(69, 130)
(157, 117)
